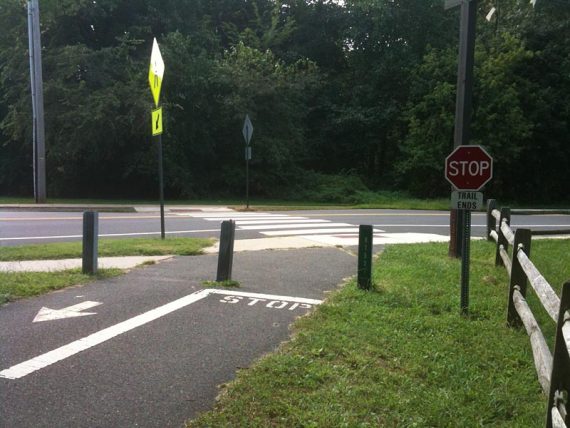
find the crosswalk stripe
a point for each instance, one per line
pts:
(319, 231)
(285, 221)
(235, 215)
(284, 225)
(292, 226)
(313, 231)
(251, 218)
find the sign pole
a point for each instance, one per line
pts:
(247, 132)
(466, 244)
(463, 105)
(161, 184)
(468, 169)
(246, 178)
(155, 75)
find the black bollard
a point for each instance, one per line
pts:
(90, 242)
(365, 257)
(226, 252)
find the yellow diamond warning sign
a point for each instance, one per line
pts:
(157, 122)
(155, 72)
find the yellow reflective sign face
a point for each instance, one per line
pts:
(157, 122)
(155, 85)
(155, 72)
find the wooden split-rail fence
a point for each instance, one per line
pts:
(553, 369)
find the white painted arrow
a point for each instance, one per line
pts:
(47, 314)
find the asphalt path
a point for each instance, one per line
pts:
(157, 343)
(17, 228)
(157, 346)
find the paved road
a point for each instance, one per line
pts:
(154, 353)
(17, 228)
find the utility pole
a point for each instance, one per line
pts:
(36, 81)
(463, 107)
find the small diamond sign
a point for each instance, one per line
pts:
(247, 130)
(157, 122)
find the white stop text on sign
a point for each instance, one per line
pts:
(271, 304)
(468, 168)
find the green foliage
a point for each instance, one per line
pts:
(364, 86)
(342, 188)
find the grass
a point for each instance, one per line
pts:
(107, 248)
(401, 355)
(362, 200)
(18, 285)
(224, 284)
(388, 200)
(15, 285)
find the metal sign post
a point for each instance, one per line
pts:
(464, 99)
(155, 75)
(247, 132)
(465, 250)
(468, 169)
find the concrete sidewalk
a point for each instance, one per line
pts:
(66, 264)
(280, 243)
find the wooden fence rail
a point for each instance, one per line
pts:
(553, 369)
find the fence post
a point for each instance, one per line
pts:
(226, 251)
(518, 276)
(560, 379)
(491, 221)
(90, 242)
(505, 214)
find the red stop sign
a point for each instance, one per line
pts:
(468, 167)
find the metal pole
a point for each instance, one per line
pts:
(465, 262)
(463, 106)
(161, 184)
(464, 99)
(33, 93)
(38, 102)
(247, 177)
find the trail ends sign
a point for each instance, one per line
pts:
(469, 167)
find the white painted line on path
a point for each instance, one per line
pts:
(42, 361)
(66, 351)
(47, 314)
(267, 296)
